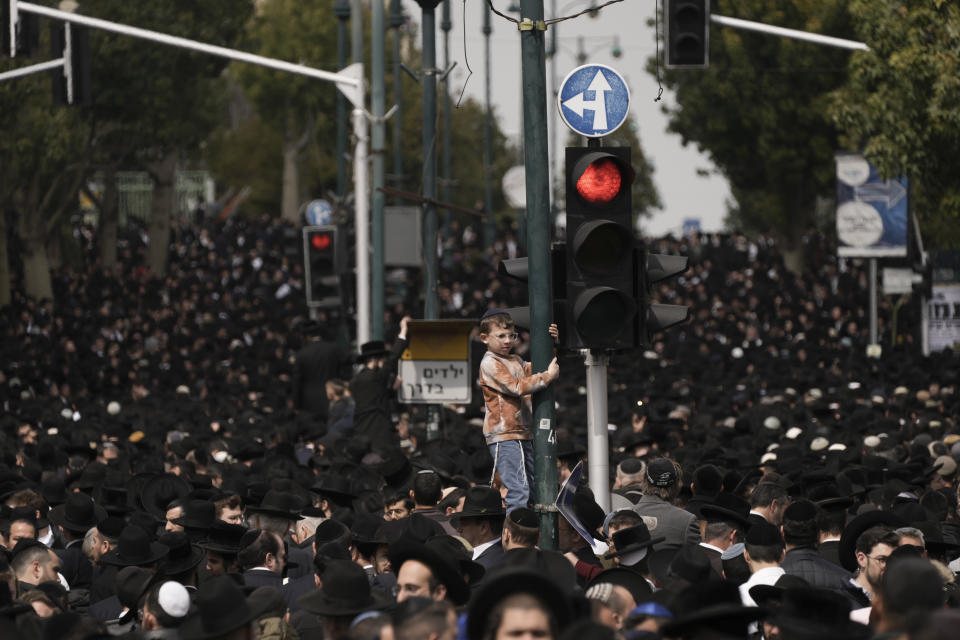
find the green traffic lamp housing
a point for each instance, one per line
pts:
(687, 29)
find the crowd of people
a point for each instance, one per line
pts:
(194, 457)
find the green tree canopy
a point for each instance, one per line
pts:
(901, 106)
(760, 112)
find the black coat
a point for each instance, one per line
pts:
(75, 566)
(372, 390)
(316, 363)
(262, 578)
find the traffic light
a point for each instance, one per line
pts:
(688, 33)
(322, 266)
(654, 316)
(519, 269)
(21, 35)
(923, 279)
(71, 83)
(600, 300)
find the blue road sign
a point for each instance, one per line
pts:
(593, 100)
(319, 212)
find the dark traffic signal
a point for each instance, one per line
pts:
(322, 266)
(71, 83)
(654, 316)
(600, 299)
(20, 35)
(519, 269)
(687, 33)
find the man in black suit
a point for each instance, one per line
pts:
(481, 524)
(318, 361)
(767, 502)
(72, 520)
(263, 561)
(373, 386)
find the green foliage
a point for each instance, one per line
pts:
(901, 106)
(759, 111)
(150, 97)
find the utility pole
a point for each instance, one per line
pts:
(341, 9)
(536, 160)
(445, 26)
(429, 26)
(378, 137)
(396, 21)
(489, 224)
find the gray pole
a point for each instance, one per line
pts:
(378, 137)
(429, 26)
(873, 300)
(341, 9)
(489, 224)
(445, 26)
(396, 21)
(598, 452)
(536, 161)
(356, 30)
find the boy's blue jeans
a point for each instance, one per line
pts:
(513, 459)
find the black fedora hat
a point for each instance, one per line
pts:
(676, 568)
(134, 548)
(439, 562)
(335, 486)
(220, 609)
(480, 502)
(507, 582)
(345, 591)
(629, 579)
(848, 539)
(632, 539)
(224, 537)
(197, 515)
(281, 504)
(160, 490)
(79, 513)
(366, 529)
(714, 605)
(817, 614)
(728, 508)
(182, 555)
(372, 349)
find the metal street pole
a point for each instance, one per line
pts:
(396, 21)
(429, 26)
(445, 26)
(378, 136)
(536, 162)
(598, 453)
(489, 224)
(873, 300)
(341, 9)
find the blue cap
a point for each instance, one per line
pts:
(494, 312)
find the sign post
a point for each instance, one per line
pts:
(435, 367)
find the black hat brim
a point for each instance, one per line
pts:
(446, 573)
(112, 557)
(318, 603)
(58, 515)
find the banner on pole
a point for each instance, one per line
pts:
(871, 211)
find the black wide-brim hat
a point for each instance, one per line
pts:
(372, 349)
(281, 504)
(134, 549)
(336, 487)
(480, 502)
(224, 537)
(160, 491)
(854, 528)
(220, 607)
(79, 513)
(346, 591)
(635, 538)
(508, 581)
(443, 569)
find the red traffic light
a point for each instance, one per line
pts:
(600, 182)
(321, 241)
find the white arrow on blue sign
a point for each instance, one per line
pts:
(593, 100)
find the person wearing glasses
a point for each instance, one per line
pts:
(507, 382)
